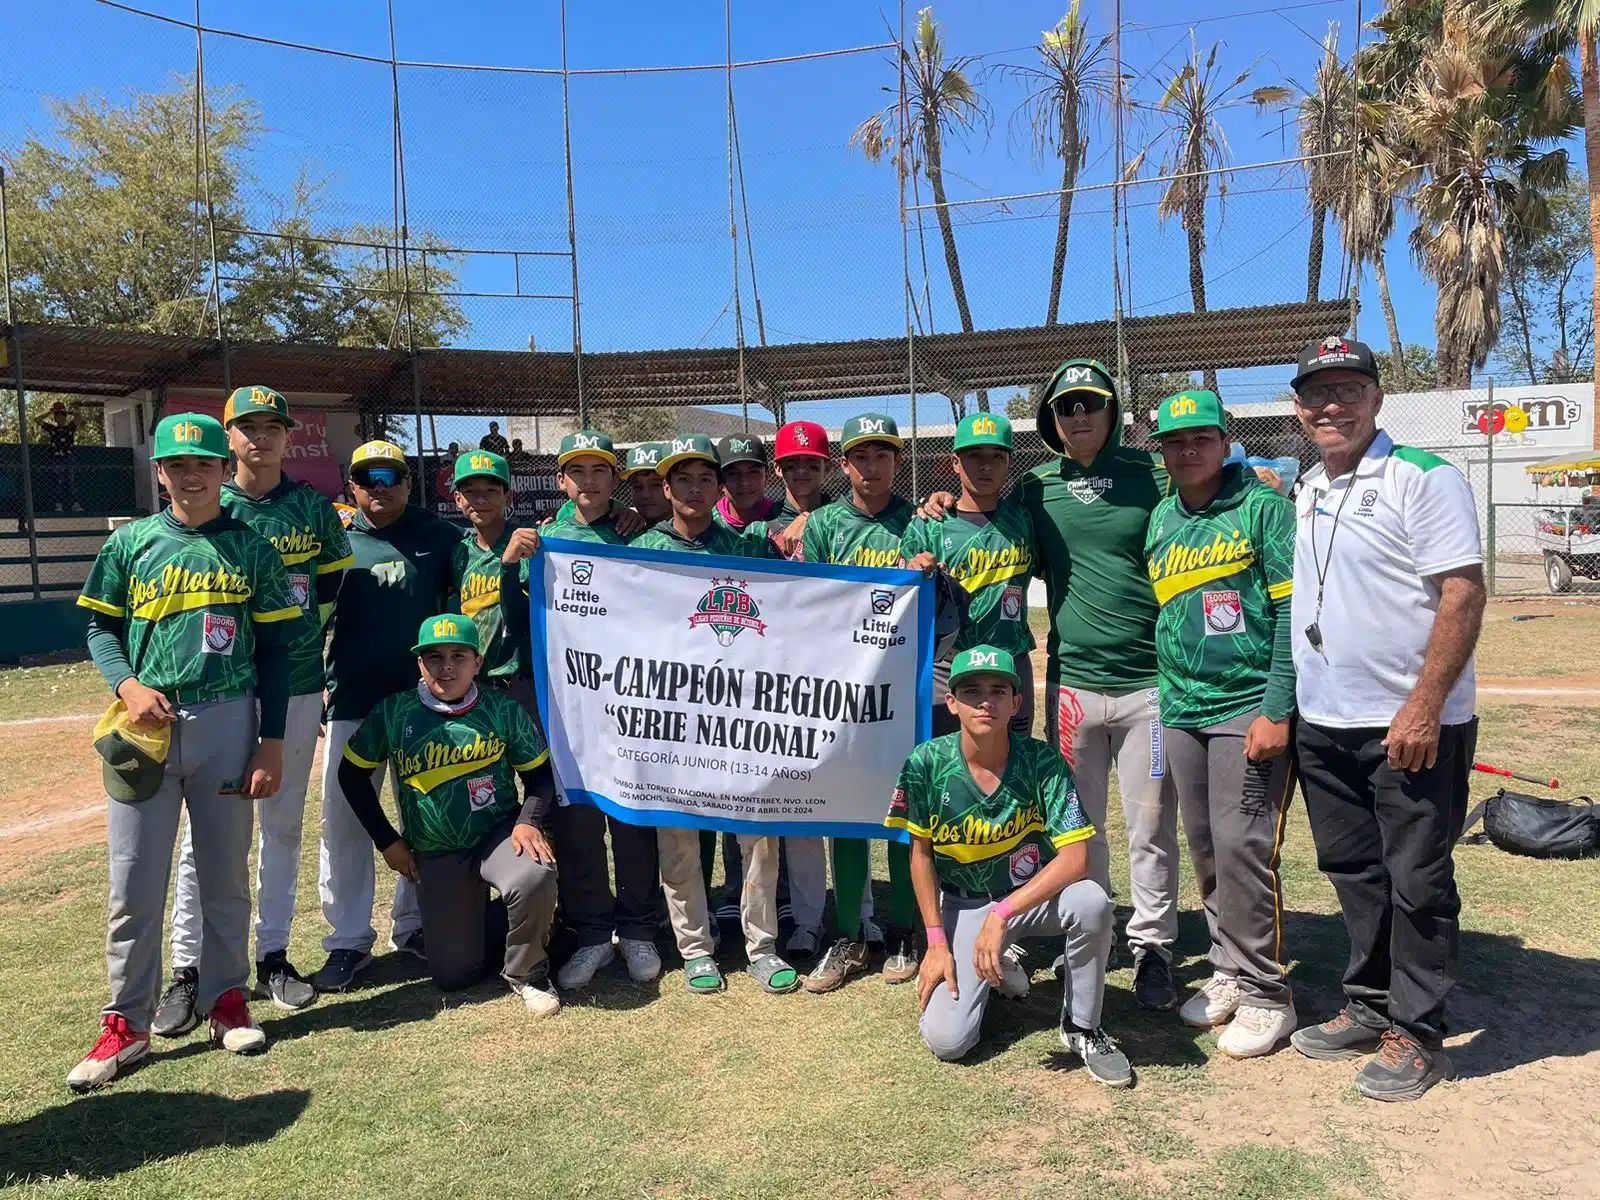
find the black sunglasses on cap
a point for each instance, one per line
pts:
(376, 477)
(1070, 403)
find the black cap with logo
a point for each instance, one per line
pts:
(1336, 351)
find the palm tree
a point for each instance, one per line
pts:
(942, 100)
(1194, 149)
(1324, 114)
(1070, 83)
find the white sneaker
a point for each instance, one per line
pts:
(804, 942)
(1015, 980)
(1215, 1002)
(1256, 1031)
(586, 961)
(541, 998)
(644, 964)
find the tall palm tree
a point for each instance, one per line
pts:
(1324, 114)
(1070, 83)
(1193, 149)
(942, 100)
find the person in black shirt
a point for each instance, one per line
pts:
(494, 442)
(61, 431)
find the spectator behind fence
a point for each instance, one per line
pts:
(494, 442)
(61, 430)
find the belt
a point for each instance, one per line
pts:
(984, 897)
(202, 695)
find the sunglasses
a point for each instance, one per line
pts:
(367, 477)
(1070, 403)
(1320, 395)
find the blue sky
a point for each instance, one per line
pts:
(484, 160)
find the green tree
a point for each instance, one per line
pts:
(1547, 330)
(1417, 371)
(1022, 406)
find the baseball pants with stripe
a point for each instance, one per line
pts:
(1233, 813)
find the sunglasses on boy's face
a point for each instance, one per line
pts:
(1071, 403)
(369, 477)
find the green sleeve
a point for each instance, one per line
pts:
(1064, 817)
(104, 640)
(336, 554)
(370, 745)
(106, 589)
(1276, 538)
(274, 615)
(567, 511)
(908, 806)
(916, 539)
(458, 568)
(814, 541)
(525, 744)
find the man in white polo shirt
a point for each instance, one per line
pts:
(1388, 602)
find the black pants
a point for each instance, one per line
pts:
(1384, 840)
(578, 836)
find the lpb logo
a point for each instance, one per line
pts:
(729, 610)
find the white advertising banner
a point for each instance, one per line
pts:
(739, 694)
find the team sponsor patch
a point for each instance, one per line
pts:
(1089, 488)
(1069, 715)
(231, 787)
(1158, 736)
(1024, 863)
(1011, 604)
(480, 792)
(300, 590)
(1224, 613)
(220, 632)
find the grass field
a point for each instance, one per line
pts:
(644, 1091)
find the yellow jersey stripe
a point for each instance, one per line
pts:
(913, 830)
(996, 575)
(426, 781)
(964, 852)
(531, 764)
(1277, 591)
(1077, 835)
(351, 756)
(277, 614)
(349, 560)
(1175, 585)
(472, 607)
(177, 602)
(100, 606)
(294, 560)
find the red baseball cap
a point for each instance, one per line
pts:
(800, 439)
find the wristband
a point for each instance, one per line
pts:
(1003, 910)
(936, 937)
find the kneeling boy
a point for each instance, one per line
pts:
(996, 825)
(456, 751)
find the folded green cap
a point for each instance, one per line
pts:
(870, 427)
(482, 464)
(447, 629)
(190, 433)
(742, 447)
(134, 760)
(1198, 409)
(984, 660)
(256, 399)
(685, 447)
(586, 441)
(984, 429)
(646, 456)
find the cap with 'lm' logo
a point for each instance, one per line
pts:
(586, 441)
(643, 457)
(686, 447)
(984, 660)
(447, 629)
(870, 427)
(257, 399)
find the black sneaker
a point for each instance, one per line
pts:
(1102, 1057)
(1152, 983)
(175, 1015)
(339, 972)
(277, 979)
(411, 944)
(1403, 1069)
(1341, 1038)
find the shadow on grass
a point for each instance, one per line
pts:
(101, 1136)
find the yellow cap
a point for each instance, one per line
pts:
(377, 452)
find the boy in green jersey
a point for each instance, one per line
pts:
(985, 544)
(307, 534)
(999, 850)
(190, 623)
(457, 753)
(1221, 555)
(482, 485)
(864, 529)
(649, 492)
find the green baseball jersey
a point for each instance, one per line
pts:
(455, 775)
(1089, 525)
(1221, 575)
(303, 527)
(717, 539)
(992, 559)
(842, 534)
(477, 576)
(988, 843)
(190, 599)
(574, 530)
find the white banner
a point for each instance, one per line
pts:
(706, 692)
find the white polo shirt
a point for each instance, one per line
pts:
(1407, 515)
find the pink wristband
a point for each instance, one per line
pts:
(1003, 910)
(936, 937)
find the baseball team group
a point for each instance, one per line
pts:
(1211, 644)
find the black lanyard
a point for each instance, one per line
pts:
(1313, 631)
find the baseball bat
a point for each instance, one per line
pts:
(1488, 770)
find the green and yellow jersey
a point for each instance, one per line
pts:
(991, 559)
(717, 539)
(477, 576)
(844, 535)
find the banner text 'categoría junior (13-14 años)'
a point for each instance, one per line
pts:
(755, 696)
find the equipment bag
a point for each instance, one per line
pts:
(1538, 827)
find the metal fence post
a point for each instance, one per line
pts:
(27, 469)
(1489, 497)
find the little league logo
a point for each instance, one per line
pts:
(582, 571)
(882, 602)
(729, 610)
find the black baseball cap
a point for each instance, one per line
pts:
(742, 447)
(1336, 351)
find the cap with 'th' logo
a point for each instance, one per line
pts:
(185, 434)
(1197, 409)
(984, 660)
(482, 464)
(447, 629)
(870, 427)
(586, 441)
(983, 429)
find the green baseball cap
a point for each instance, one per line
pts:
(256, 399)
(742, 447)
(133, 759)
(586, 441)
(482, 464)
(1075, 375)
(190, 433)
(1198, 409)
(685, 447)
(447, 629)
(870, 427)
(644, 457)
(984, 429)
(984, 660)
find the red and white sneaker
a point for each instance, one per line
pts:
(232, 1026)
(117, 1048)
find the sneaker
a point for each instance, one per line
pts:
(804, 942)
(282, 984)
(1214, 1004)
(1403, 1069)
(872, 934)
(540, 998)
(642, 959)
(232, 1026)
(411, 944)
(901, 964)
(1255, 1031)
(339, 972)
(1341, 1038)
(1014, 978)
(843, 959)
(117, 1048)
(175, 1015)
(579, 970)
(1152, 983)
(1102, 1057)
